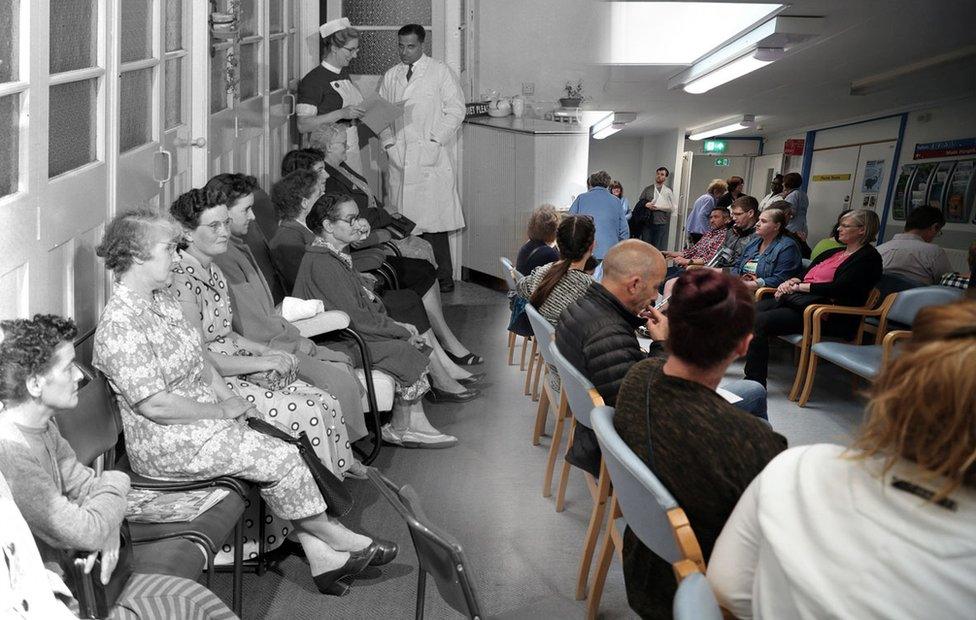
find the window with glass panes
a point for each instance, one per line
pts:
(377, 22)
(12, 88)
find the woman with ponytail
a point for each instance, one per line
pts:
(550, 288)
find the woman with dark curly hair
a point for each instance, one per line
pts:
(181, 422)
(538, 250)
(68, 506)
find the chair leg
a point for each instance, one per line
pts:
(525, 349)
(593, 532)
(511, 348)
(542, 412)
(238, 581)
(602, 566)
(557, 435)
(421, 593)
(533, 356)
(564, 476)
(541, 371)
(808, 384)
(801, 369)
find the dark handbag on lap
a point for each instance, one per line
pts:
(401, 226)
(94, 599)
(336, 496)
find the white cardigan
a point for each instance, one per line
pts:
(820, 535)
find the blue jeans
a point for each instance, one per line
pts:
(752, 393)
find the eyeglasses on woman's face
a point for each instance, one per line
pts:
(349, 219)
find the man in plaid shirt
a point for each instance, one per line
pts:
(710, 243)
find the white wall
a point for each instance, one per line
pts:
(621, 157)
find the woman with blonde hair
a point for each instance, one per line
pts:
(885, 529)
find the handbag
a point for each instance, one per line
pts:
(337, 497)
(94, 599)
(401, 226)
(268, 379)
(519, 321)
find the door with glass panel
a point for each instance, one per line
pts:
(53, 156)
(282, 84)
(154, 138)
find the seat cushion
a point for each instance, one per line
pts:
(177, 556)
(384, 386)
(793, 339)
(864, 361)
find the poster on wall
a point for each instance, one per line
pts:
(873, 174)
(901, 191)
(945, 148)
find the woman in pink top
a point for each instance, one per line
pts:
(842, 276)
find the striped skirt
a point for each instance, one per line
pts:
(161, 597)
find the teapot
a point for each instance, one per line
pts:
(500, 107)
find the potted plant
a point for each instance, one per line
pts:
(574, 94)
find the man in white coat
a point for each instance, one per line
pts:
(420, 146)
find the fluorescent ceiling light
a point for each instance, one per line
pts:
(677, 33)
(735, 69)
(723, 127)
(747, 52)
(611, 124)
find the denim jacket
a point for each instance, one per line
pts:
(780, 261)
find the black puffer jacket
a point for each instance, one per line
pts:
(596, 335)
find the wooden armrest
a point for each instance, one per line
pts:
(888, 344)
(764, 291)
(822, 310)
(322, 323)
(685, 538)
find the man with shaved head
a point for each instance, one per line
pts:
(596, 332)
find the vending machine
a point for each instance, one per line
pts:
(960, 193)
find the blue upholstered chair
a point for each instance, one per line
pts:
(695, 600)
(647, 507)
(544, 333)
(868, 360)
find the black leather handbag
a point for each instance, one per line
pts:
(94, 599)
(401, 226)
(337, 498)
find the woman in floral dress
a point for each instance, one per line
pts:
(180, 420)
(201, 288)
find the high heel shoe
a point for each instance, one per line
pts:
(384, 551)
(329, 581)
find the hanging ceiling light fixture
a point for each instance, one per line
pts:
(723, 127)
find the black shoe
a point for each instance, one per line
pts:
(440, 396)
(383, 551)
(474, 378)
(465, 360)
(329, 581)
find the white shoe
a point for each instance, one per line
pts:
(415, 439)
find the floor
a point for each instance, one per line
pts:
(487, 492)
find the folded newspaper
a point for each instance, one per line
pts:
(147, 506)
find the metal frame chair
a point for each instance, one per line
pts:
(647, 506)
(438, 553)
(900, 308)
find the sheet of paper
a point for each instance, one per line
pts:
(728, 396)
(380, 113)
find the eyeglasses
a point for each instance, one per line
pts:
(215, 226)
(851, 226)
(738, 213)
(348, 219)
(351, 50)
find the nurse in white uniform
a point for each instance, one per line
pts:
(327, 95)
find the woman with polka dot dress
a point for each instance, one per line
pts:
(263, 376)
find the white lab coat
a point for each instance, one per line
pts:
(423, 144)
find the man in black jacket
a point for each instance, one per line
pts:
(596, 332)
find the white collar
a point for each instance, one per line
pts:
(419, 63)
(331, 68)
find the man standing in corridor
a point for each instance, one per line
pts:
(420, 146)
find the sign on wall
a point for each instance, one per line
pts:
(945, 148)
(793, 146)
(714, 146)
(873, 173)
(722, 161)
(818, 178)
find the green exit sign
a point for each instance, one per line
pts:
(722, 161)
(714, 146)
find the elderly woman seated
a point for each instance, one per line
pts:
(68, 506)
(180, 419)
(293, 198)
(331, 139)
(399, 345)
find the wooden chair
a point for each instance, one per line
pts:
(511, 277)
(582, 397)
(867, 360)
(802, 340)
(647, 506)
(544, 333)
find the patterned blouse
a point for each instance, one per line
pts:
(145, 348)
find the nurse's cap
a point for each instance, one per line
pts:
(334, 26)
